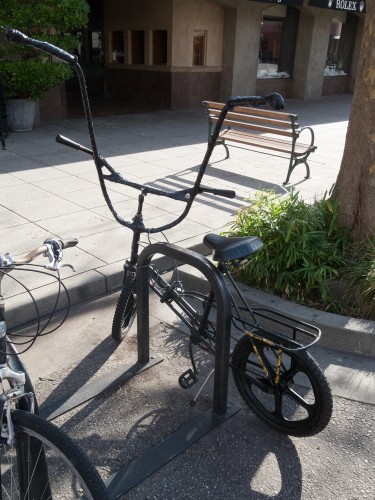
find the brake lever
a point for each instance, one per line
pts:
(54, 254)
(69, 265)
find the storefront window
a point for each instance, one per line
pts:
(270, 40)
(118, 46)
(276, 52)
(159, 47)
(138, 46)
(335, 60)
(199, 48)
(96, 48)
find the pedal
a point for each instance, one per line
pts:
(187, 379)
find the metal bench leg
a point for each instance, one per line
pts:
(222, 143)
(292, 165)
(307, 169)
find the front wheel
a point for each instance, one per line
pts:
(286, 389)
(126, 308)
(45, 463)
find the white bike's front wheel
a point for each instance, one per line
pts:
(44, 463)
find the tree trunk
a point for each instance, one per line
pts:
(355, 185)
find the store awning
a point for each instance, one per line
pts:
(346, 5)
(295, 3)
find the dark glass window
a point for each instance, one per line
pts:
(138, 46)
(159, 47)
(118, 46)
(199, 48)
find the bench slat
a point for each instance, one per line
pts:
(259, 128)
(279, 115)
(252, 119)
(264, 142)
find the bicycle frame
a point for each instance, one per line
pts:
(294, 330)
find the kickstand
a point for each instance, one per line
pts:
(193, 401)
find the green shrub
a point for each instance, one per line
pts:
(31, 80)
(26, 73)
(359, 279)
(304, 245)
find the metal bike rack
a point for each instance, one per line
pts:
(177, 442)
(156, 457)
(223, 312)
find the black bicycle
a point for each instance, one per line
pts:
(274, 373)
(37, 459)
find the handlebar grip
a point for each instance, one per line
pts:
(275, 100)
(16, 36)
(226, 193)
(69, 242)
(72, 144)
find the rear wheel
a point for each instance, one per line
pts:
(45, 463)
(126, 309)
(286, 389)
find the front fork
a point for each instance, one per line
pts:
(137, 226)
(14, 394)
(10, 398)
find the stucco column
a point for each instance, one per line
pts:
(311, 53)
(241, 48)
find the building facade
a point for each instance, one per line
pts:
(176, 53)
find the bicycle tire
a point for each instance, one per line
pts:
(45, 463)
(126, 309)
(299, 404)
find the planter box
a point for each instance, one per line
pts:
(21, 114)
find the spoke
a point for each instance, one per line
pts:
(288, 375)
(278, 405)
(256, 379)
(300, 400)
(270, 366)
(13, 479)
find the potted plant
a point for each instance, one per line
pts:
(26, 75)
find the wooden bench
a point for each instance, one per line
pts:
(262, 129)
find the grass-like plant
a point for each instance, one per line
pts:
(359, 279)
(304, 245)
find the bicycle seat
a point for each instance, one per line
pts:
(230, 248)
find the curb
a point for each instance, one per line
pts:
(82, 287)
(338, 332)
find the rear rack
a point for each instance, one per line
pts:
(281, 331)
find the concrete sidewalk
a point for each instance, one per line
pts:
(243, 459)
(47, 189)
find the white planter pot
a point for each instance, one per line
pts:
(21, 114)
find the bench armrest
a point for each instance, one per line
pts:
(312, 138)
(206, 107)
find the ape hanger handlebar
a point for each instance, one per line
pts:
(107, 173)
